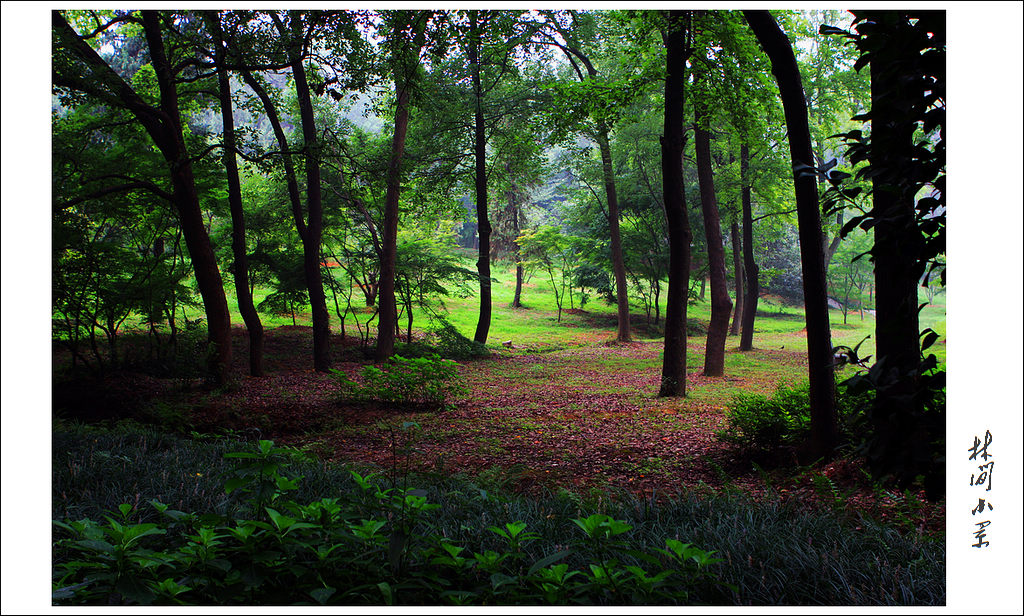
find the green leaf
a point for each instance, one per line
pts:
(321, 595)
(385, 590)
(548, 560)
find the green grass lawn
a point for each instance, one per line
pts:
(536, 326)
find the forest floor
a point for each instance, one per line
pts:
(580, 417)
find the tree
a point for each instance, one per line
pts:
(824, 428)
(851, 273)
(678, 48)
(600, 100)
(240, 268)
(906, 159)
(428, 270)
(721, 305)
(549, 249)
(407, 38)
(78, 67)
(750, 267)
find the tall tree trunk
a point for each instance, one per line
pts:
(750, 267)
(618, 263)
(405, 63)
(312, 236)
(897, 85)
(677, 50)
(163, 124)
(737, 267)
(238, 246)
(483, 262)
(721, 305)
(824, 428)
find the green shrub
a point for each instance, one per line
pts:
(426, 382)
(762, 423)
(453, 345)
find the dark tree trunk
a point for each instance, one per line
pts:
(387, 310)
(899, 412)
(517, 299)
(750, 267)
(312, 236)
(737, 267)
(238, 246)
(721, 305)
(483, 223)
(824, 429)
(618, 263)
(677, 50)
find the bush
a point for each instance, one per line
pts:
(763, 424)
(429, 382)
(453, 345)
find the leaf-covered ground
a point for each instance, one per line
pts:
(582, 416)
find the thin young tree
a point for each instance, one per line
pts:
(238, 245)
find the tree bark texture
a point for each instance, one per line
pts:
(250, 316)
(721, 305)
(618, 262)
(897, 239)
(673, 372)
(750, 267)
(824, 429)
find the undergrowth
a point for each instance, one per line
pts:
(142, 517)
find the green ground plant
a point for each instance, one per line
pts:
(376, 545)
(330, 539)
(428, 383)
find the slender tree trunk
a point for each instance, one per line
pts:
(405, 66)
(517, 298)
(312, 236)
(483, 262)
(737, 266)
(721, 305)
(677, 50)
(618, 262)
(824, 428)
(750, 267)
(238, 246)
